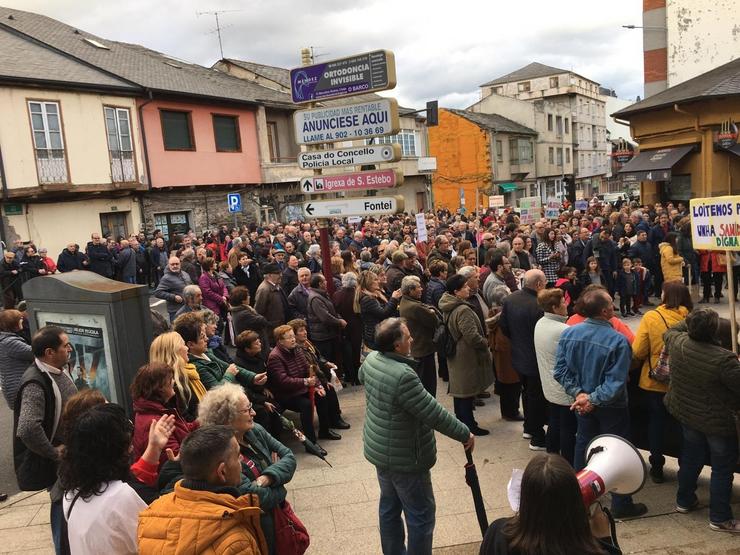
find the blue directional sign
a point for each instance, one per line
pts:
(234, 201)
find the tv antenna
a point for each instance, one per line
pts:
(218, 25)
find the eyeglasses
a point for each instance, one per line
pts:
(248, 409)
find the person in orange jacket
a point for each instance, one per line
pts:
(205, 511)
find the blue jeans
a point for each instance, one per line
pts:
(602, 420)
(412, 494)
(657, 416)
(57, 519)
(723, 455)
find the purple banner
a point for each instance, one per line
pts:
(364, 73)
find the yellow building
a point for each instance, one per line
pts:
(69, 144)
(678, 131)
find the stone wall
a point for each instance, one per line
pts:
(207, 207)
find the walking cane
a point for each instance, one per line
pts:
(471, 478)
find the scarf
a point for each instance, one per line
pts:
(196, 385)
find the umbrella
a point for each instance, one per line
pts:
(471, 478)
(311, 447)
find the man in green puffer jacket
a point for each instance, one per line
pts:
(398, 438)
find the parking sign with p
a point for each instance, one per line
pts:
(234, 201)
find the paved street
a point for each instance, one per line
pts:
(339, 504)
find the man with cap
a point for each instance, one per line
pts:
(279, 258)
(397, 270)
(271, 301)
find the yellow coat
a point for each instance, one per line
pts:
(670, 263)
(649, 342)
(190, 522)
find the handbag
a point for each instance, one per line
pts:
(662, 371)
(291, 536)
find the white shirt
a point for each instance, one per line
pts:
(547, 333)
(104, 523)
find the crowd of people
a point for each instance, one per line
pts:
(260, 323)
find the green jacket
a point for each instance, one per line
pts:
(400, 417)
(705, 383)
(213, 372)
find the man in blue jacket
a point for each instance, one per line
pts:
(592, 364)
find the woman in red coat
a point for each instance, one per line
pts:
(713, 267)
(153, 392)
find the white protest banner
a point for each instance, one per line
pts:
(421, 227)
(552, 210)
(496, 201)
(529, 209)
(715, 223)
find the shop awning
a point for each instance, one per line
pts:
(654, 165)
(507, 187)
(735, 149)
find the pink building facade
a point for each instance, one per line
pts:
(190, 144)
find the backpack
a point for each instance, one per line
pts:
(662, 371)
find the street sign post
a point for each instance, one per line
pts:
(359, 74)
(234, 201)
(361, 206)
(347, 123)
(355, 156)
(376, 179)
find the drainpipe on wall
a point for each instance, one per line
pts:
(695, 116)
(139, 111)
(4, 181)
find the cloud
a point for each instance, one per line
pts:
(443, 50)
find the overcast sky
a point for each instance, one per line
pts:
(444, 49)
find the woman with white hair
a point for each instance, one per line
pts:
(228, 405)
(313, 258)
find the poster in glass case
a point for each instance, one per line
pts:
(90, 360)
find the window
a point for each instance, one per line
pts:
(497, 90)
(120, 147)
(559, 125)
(523, 86)
(499, 150)
(177, 130)
(406, 138)
(554, 82)
(48, 142)
(551, 155)
(272, 141)
(172, 223)
(549, 122)
(567, 155)
(226, 133)
(559, 153)
(567, 126)
(520, 151)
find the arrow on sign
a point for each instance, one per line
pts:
(309, 209)
(307, 184)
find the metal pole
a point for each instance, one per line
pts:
(326, 255)
(731, 293)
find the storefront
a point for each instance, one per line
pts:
(687, 139)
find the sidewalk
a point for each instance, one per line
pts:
(339, 505)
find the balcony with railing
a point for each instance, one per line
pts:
(122, 167)
(51, 164)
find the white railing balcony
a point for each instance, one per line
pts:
(51, 165)
(122, 167)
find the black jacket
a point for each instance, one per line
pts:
(101, 259)
(434, 291)
(290, 279)
(68, 261)
(519, 315)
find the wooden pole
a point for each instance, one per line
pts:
(731, 293)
